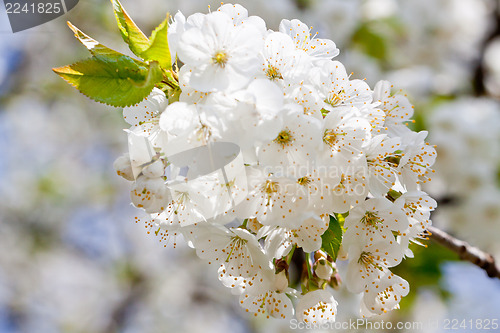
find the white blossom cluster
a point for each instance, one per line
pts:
(269, 138)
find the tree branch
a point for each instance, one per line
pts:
(479, 66)
(465, 251)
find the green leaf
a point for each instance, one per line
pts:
(131, 34)
(91, 44)
(115, 80)
(158, 46)
(154, 48)
(332, 238)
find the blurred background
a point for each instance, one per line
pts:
(73, 260)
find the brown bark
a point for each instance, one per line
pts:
(466, 251)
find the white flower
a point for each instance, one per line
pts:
(175, 29)
(344, 136)
(282, 62)
(382, 157)
(352, 188)
(141, 152)
(374, 220)
(274, 201)
(162, 227)
(272, 303)
(188, 126)
(256, 284)
(369, 262)
(336, 89)
(239, 15)
(178, 25)
(416, 160)
(397, 108)
(383, 295)
(294, 146)
(317, 307)
(268, 295)
(279, 241)
(144, 118)
(220, 55)
(318, 184)
(417, 206)
(374, 115)
(256, 108)
(226, 180)
(307, 97)
(188, 93)
(318, 49)
(151, 194)
(190, 203)
(235, 249)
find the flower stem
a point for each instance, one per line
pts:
(290, 255)
(466, 252)
(309, 265)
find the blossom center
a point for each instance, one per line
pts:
(283, 138)
(273, 73)
(334, 98)
(370, 218)
(203, 133)
(330, 137)
(220, 58)
(235, 245)
(366, 258)
(393, 159)
(270, 187)
(304, 180)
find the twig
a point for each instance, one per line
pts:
(479, 66)
(465, 251)
(136, 292)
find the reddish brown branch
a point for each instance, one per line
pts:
(479, 66)
(466, 251)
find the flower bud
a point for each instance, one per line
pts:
(335, 281)
(320, 255)
(154, 170)
(281, 281)
(123, 167)
(148, 192)
(323, 269)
